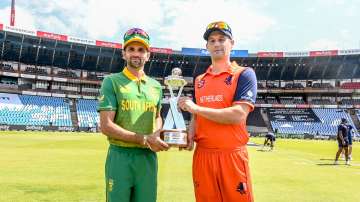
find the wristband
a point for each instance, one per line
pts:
(144, 143)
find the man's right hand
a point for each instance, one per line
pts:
(154, 142)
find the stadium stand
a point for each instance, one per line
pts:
(34, 110)
(260, 101)
(272, 100)
(68, 74)
(308, 121)
(293, 100)
(322, 85)
(350, 101)
(294, 85)
(87, 113)
(255, 118)
(358, 114)
(351, 85)
(94, 77)
(321, 102)
(6, 67)
(34, 70)
(260, 86)
(56, 82)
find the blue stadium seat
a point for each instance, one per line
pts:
(36, 110)
(329, 120)
(87, 113)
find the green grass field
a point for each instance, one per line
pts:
(66, 167)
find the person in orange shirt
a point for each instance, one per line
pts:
(224, 96)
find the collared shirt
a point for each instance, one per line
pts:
(135, 101)
(236, 85)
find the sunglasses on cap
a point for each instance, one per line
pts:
(136, 31)
(219, 25)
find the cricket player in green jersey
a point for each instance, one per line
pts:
(129, 106)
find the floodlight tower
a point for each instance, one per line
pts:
(12, 15)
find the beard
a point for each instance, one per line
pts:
(136, 62)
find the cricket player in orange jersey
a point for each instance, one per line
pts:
(224, 96)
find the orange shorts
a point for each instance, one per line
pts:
(221, 175)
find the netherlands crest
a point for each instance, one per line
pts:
(201, 83)
(228, 80)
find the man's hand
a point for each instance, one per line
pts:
(186, 104)
(154, 142)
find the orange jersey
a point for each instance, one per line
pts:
(234, 86)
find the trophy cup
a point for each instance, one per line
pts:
(174, 129)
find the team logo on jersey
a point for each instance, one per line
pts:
(110, 185)
(241, 188)
(201, 83)
(124, 89)
(154, 93)
(101, 98)
(228, 80)
(250, 93)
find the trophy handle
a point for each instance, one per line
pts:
(171, 91)
(179, 93)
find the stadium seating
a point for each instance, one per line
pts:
(321, 102)
(351, 85)
(35, 110)
(322, 85)
(271, 100)
(294, 86)
(291, 101)
(271, 85)
(8, 85)
(255, 118)
(6, 67)
(260, 101)
(87, 113)
(67, 74)
(34, 70)
(327, 124)
(358, 114)
(94, 77)
(350, 101)
(260, 86)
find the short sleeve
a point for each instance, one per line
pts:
(107, 99)
(246, 88)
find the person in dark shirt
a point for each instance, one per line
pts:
(343, 141)
(350, 134)
(269, 140)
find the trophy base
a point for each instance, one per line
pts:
(174, 137)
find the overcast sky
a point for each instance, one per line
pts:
(258, 25)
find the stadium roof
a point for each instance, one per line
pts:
(184, 51)
(42, 48)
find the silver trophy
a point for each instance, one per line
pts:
(174, 129)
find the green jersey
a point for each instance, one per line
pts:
(135, 101)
